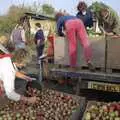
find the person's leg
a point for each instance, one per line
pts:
(83, 37)
(40, 50)
(71, 36)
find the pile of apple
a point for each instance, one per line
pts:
(103, 111)
(51, 105)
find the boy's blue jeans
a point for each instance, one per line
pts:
(40, 49)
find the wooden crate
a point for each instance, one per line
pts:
(113, 53)
(78, 114)
(61, 52)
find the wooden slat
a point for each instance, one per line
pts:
(90, 76)
(113, 52)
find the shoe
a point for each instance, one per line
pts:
(74, 68)
(91, 67)
(42, 56)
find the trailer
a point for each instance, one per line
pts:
(106, 78)
(106, 60)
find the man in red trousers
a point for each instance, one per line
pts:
(74, 29)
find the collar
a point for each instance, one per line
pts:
(5, 55)
(38, 29)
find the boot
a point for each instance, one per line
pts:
(91, 67)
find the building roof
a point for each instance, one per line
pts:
(39, 16)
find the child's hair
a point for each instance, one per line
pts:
(38, 25)
(81, 6)
(20, 55)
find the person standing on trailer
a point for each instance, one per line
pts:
(109, 21)
(74, 29)
(85, 14)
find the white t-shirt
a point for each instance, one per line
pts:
(7, 75)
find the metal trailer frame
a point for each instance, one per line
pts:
(104, 77)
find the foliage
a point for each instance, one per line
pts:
(9, 20)
(97, 6)
(48, 9)
(45, 9)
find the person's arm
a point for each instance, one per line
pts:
(60, 27)
(19, 65)
(23, 76)
(10, 92)
(90, 19)
(23, 35)
(8, 77)
(11, 37)
(78, 15)
(1, 85)
(116, 28)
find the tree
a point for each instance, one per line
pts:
(48, 9)
(97, 6)
(8, 21)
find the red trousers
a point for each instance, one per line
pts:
(50, 51)
(75, 30)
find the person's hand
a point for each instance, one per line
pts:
(29, 78)
(112, 35)
(1, 85)
(116, 36)
(109, 34)
(32, 100)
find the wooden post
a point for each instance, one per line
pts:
(106, 55)
(78, 86)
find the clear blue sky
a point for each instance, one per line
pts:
(69, 5)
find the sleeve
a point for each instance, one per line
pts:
(116, 30)
(90, 19)
(11, 37)
(59, 27)
(101, 25)
(8, 78)
(78, 15)
(15, 67)
(116, 27)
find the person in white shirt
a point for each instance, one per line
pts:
(8, 73)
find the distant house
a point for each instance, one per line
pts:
(48, 23)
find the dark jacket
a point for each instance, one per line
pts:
(39, 36)
(87, 18)
(61, 23)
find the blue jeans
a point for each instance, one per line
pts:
(40, 49)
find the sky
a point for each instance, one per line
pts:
(68, 5)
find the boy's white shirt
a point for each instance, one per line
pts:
(7, 75)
